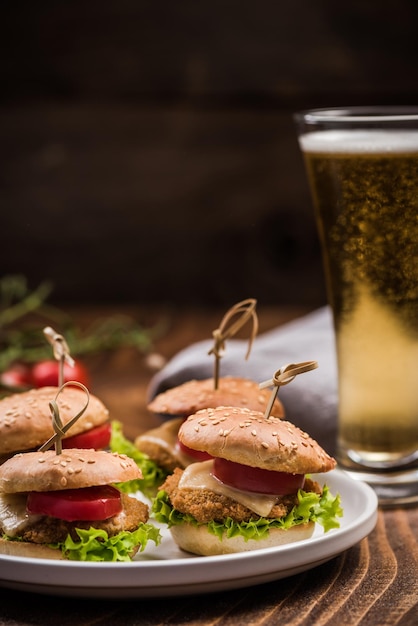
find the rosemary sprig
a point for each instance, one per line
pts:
(22, 340)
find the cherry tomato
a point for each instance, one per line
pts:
(257, 479)
(98, 438)
(88, 503)
(199, 455)
(45, 373)
(18, 376)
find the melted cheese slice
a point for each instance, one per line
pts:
(200, 476)
(165, 437)
(13, 514)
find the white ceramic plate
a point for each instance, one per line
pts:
(167, 571)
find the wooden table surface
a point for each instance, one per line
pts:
(373, 583)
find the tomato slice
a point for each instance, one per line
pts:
(88, 503)
(17, 376)
(199, 455)
(256, 479)
(46, 373)
(97, 438)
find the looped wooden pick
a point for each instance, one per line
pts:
(247, 310)
(60, 429)
(284, 376)
(61, 351)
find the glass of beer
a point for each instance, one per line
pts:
(362, 168)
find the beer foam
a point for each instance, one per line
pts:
(360, 141)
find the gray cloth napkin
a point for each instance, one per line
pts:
(310, 400)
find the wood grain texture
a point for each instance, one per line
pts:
(374, 583)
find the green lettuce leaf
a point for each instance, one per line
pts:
(323, 509)
(152, 474)
(95, 544)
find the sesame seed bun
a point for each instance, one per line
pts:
(197, 539)
(26, 422)
(194, 395)
(247, 437)
(73, 469)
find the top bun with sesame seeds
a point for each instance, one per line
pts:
(193, 395)
(72, 469)
(249, 438)
(26, 422)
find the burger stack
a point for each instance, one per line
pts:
(68, 502)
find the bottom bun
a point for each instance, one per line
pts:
(30, 550)
(198, 540)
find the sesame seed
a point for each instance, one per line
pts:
(254, 433)
(196, 429)
(70, 470)
(226, 432)
(63, 481)
(221, 432)
(265, 444)
(63, 463)
(91, 461)
(41, 460)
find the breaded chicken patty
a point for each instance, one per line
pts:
(206, 506)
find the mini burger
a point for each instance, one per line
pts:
(254, 493)
(162, 445)
(25, 420)
(68, 506)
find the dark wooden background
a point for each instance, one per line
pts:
(147, 149)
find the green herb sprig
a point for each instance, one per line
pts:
(21, 337)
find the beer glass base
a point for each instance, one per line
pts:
(377, 461)
(393, 488)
